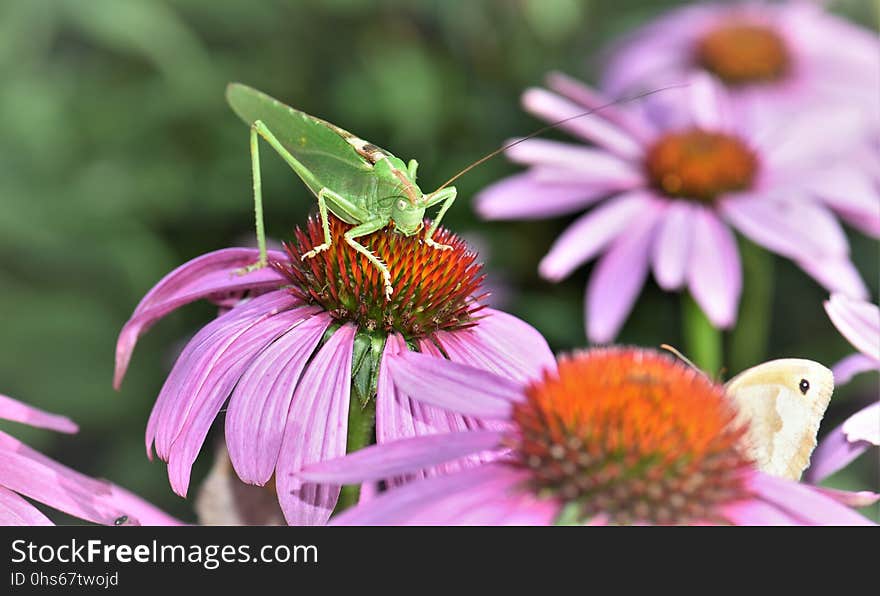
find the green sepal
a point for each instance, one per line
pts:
(570, 515)
(366, 358)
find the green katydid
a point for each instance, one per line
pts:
(355, 180)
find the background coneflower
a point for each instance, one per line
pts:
(611, 436)
(314, 334)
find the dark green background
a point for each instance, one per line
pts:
(119, 160)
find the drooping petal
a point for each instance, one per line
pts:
(864, 425)
(317, 427)
(12, 409)
(594, 128)
(461, 388)
(400, 457)
(671, 252)
(618, 278)
(591, 233)
(500, 343)
(858, 321)
(214, 387)
(401, 505)
(708, 105)
(851, 366)
(805, 502)
(528, 196)
(138, 510)
(35, 476)
(16, 511)
(213, 273)
(714, 271)
(799, 229)
(850, 192)
(257, 411)
(198, 361)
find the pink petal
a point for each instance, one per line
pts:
(853, 365)
(214, 387)
(198, 360)
(618, 278)
(591, 233)
(460, 388)
(850, 192)
(138, 510)
(836, 274)
(757, 513)
(714, 272)
(862, 498)
(834, 453)
(16, 511)
(37, 477)
(500, 343)
(708, 105)
(257, 411)
(858, 321)
(317, 427)
(400, 457)
(594, 127)
(402, 505)
(527, 196)
(12, 409)
(805, 502)
(672, 248)
(591, 99)
(597, 165)
(799, 229)
(209, 274)
(864, 425)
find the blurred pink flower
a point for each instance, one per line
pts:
(859, 322)
(611, 436)
(288, 359)
(28, 473)
(790, 55)
(671, 175)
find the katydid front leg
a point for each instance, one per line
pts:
(325, 224)
(258, 205)
(363, 229)
(447, 197)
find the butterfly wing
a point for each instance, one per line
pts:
(783, 402)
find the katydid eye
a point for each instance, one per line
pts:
(401, 204)
(804, 386)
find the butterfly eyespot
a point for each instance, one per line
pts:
(804, 386)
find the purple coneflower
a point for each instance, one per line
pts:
(789, 55)
(308, 348)
(672, 174)
(859, 322)
(28, 473)
(610, 436)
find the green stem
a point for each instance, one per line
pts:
(748, 341)
(360, 434)
(702, 341)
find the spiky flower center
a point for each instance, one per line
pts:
(742, 53)
(433, 289)
(631, 434)
(700, 165)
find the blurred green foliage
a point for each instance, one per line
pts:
(119, 160)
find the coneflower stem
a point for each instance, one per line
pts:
(702, 340)
(748, 341)
(361, 420)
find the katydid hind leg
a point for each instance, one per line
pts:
(258, 205)
(445, 196)
(362, 230)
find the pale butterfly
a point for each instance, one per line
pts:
(782, 402)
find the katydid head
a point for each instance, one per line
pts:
(408, 209)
